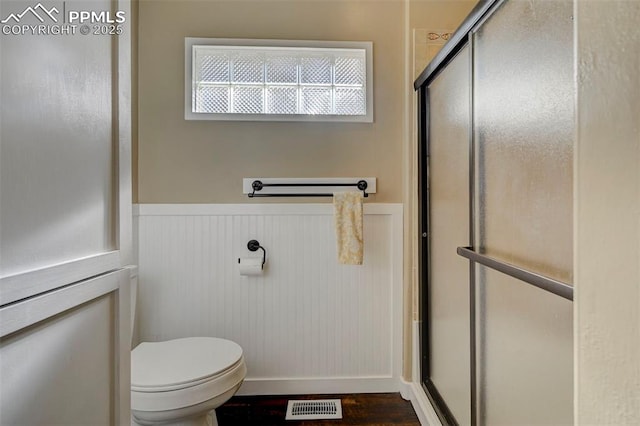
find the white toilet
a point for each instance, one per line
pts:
(182, 381)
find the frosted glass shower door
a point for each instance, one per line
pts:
(447, 299)
(523, 115)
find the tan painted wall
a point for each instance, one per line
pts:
(607, 215)
(204, 161)
(427, 16)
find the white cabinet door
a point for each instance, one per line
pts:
(65, 212)
(65, 197)
(65, 355)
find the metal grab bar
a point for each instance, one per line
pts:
(545, 283)
(257, 185)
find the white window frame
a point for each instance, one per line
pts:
(190, 42)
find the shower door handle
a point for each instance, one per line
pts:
(545, 283)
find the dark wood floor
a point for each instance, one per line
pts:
(357, 409)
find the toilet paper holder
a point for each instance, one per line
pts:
(254, 245)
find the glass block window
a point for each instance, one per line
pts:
(261, 80)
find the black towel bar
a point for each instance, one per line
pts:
(257, 185)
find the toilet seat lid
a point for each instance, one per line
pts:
(181, 361)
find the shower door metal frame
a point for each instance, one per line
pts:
(461, 38)
(438, 403)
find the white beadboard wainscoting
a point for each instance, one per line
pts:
(308, 324)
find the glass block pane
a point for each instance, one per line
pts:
(247, 100)
(315, 70)
(316, 100)
(248, 69)
(280, 81)
(212, 99)
(282, 69)
(213, 68)
(282, 100)
(350, 101)
(350, 70)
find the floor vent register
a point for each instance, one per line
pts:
(314, 409)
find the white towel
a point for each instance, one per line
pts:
(348, 221)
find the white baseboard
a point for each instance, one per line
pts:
(319, 386)
(413, 392)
